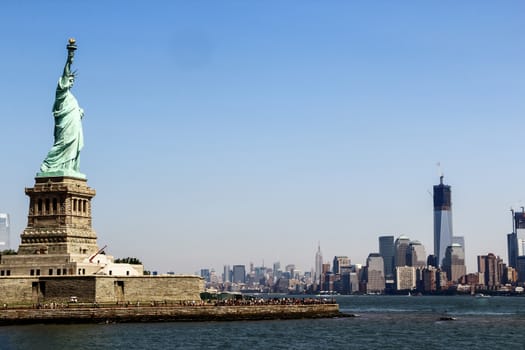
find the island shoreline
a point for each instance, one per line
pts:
(198, 313)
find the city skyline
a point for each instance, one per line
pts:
(252, 131)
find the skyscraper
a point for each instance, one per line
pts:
(401, 248)
(519, 224)
(239, 274)
(318, 265)
(227, 274)
(459, 240)
(442, 220)
(416, 255)
(205, 273)
(387, 251)
(516, 239)
(277, 272)
(454, 262)
(4, 232)
(375, 276)
(491, 267)
(512, 248)
(339, 262)
(520, 267)
(405, 277)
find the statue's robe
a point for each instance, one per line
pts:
(69, 139)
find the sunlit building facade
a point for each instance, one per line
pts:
(454, 262)
(401, 250)
(416, 255)
(405, 277)
(375, 276)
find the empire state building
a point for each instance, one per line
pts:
(318, 265)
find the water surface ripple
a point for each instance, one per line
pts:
(384, 322)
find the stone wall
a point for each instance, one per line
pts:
(17, 290)
(158, 288)
(61, 289)
(100, 289)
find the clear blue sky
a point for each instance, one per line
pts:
(225, 132)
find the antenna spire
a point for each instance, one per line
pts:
(440, 173)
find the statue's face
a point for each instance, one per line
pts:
(71, 81)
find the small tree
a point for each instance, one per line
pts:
(128, 260)
(8, 252)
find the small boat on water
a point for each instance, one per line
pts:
(481, 295)
(447, 318)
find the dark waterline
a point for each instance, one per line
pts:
(386, 322)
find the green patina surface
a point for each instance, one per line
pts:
(64, 157)
(61, 173)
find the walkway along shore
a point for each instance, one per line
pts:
(171, 313)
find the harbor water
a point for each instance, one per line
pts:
(380, 322)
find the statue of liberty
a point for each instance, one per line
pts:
(64, 157)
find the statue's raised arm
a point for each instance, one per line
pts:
(64, 157)
(67, 79)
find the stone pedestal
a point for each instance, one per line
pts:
(59, 237)
(59, 220)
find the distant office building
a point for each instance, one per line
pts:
(205, 273)
(405, 278)
(214, 279)
(519, 223)
(432, 260)
(401, 250)
(454, 262)
(510, 275)
(260, 273)
(441, 280)
(375, 276)
(349, 283)
(340, 262)
(442, 220)
(512, 248)
(318, 266)
(491, 267)
(290, 268)
(387, 251)
(416, 255)
(459, 240)
(4, 232)
(433, 279)
(520, 267)
(239, 274)
(328, 282)
(429, 277)
(516, 239)
(354, 282)
(227, 274)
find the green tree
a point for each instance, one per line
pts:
(128, 260)
(8, 252)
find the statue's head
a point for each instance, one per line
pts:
(71, 78)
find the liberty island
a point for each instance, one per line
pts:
(60, 274)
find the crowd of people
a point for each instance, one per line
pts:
(236, 300)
